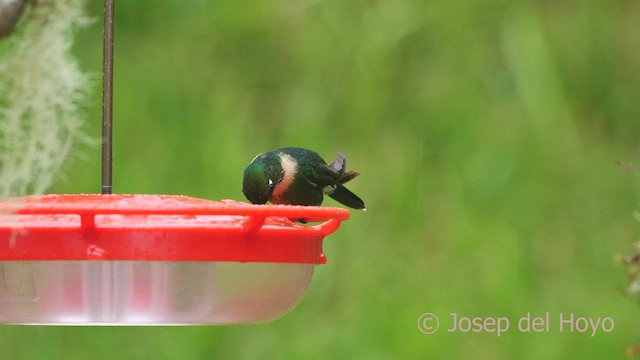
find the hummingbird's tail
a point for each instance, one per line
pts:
(340, 166)
(341, 194)
(346, 197)
(348, 176)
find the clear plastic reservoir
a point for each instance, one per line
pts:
(148, 292)
(155, 260)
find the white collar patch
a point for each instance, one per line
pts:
(290, 168)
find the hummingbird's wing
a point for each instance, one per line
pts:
(319, 176)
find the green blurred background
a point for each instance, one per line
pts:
(486, 134)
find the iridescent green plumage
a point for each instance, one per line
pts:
(298, 176)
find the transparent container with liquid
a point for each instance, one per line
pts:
(155, 260)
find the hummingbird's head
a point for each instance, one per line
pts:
(261, 177)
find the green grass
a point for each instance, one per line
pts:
(486, 135)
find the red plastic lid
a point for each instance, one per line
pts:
(161, 227)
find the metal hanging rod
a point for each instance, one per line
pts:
(107, 97)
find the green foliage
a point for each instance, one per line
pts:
(486, 135)
(40, 89)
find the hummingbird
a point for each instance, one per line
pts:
(297, 176)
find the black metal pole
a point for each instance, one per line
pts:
(107, 97)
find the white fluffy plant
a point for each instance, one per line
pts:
(41, 87)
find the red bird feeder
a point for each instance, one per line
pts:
(152, 259)
(103, 259)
